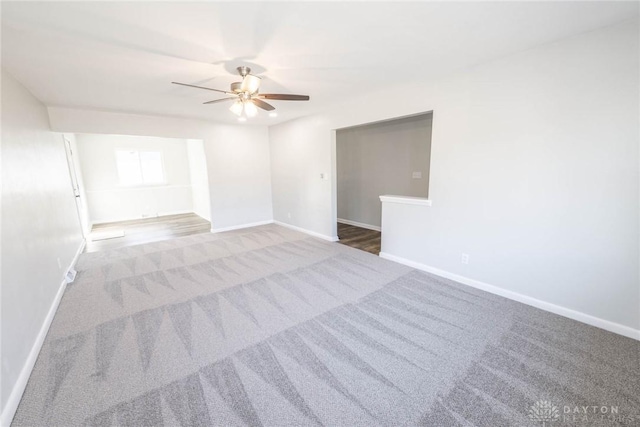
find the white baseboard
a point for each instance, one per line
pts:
(359, 224)
(119, 219)
(309, 232)
(607, 325)
(21, 384)
(238, 227)
(172, 213)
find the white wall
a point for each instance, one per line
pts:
(301, 150)
(239, 176)
(534, 172)
(110, 201)
(199, 178)
(237, 157)
(377, 159)
(40, 230)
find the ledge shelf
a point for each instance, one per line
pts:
(405, 200)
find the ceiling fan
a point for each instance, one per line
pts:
(246, 96)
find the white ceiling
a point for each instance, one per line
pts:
(122, 56)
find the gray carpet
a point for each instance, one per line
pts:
(267, 326)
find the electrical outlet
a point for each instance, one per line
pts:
(289, 215)
(464, 258)
(416, 175)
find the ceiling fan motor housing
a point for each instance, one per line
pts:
(243, 71)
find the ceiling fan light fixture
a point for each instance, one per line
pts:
(246, 96)
(250, 109)
(236, 108)
(250, 83)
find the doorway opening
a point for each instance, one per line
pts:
(137, 189)
(76, 183)
(384, 158)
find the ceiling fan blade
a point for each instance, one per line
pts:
(220, 100)
(284, 97)
(264, 105)
(202, 87)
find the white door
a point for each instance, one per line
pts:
(80, 206)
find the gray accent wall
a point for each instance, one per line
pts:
(380, 158)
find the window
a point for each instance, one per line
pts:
(140, 167)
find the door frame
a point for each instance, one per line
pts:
(75, 187)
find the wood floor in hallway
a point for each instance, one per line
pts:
(145, 230)
(359, 238)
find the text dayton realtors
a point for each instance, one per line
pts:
(589, 413)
